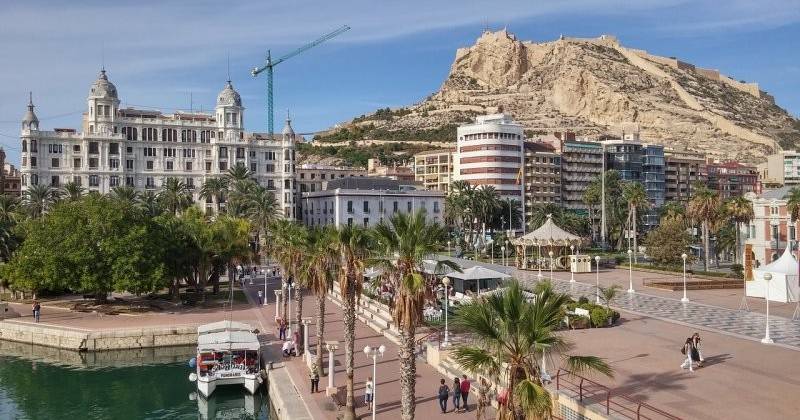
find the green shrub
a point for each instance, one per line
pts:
(583, 299)
(599, 317)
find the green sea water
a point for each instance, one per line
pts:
(41, 383)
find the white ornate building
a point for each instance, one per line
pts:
(143, 148)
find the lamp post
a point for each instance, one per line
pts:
(551, 265)
(539, 257)
(446, 283)
(331, 346)
(503, 249)
(306, 323)
(492, 252)
(373, 352)
(630, 271)
(277, 303)
(685, 299)
(289, 315)
(449, 254)
(264, 272)
(571, 257)
(597, 280)
(767, 339)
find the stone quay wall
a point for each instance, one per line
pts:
(89, 340)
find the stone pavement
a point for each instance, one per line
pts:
(750, 325)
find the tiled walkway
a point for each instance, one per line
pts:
(749, 325)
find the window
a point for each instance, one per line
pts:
(113, 163)
(188, 153)
(54, 148)
(94, 181)
(269, 155)
(349, 206)
(129, 149)
(33, 165)
(113, 148)
(113, 181)
(366, 206)
(94, 148)
(240, 153)
(188, 166)
(34, 149)
(436, 207)
(409, 206)
(129, 181)
(75, 148)
(223, 152)
(208, 166)
(190, 183)
(252, 154)
(168, 152)
(54, 163)
(269, 168)
(54, 181)
(149, 183)
(149, 151)
(148, 165)
(93, 162)
(170, 165)
(129, 164)
(394, 207)
(223, 166)
(34, 177)
(349, 221)
(366, 222)
(253, 167)
(24, 145)
(77, 180)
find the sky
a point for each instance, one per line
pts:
(177, 54)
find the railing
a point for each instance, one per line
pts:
(621, 405)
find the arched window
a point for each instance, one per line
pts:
(24, 145)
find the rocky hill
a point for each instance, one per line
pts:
(592, 87)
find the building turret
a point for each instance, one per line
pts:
(30, 122)
(230, 113)
(103, 104)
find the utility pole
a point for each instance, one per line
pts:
(603, 195)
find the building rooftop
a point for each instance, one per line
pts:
(365, 183)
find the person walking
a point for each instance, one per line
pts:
(369, 389)
(687, 350)
(483, 399)
(260, 297)
(697, 354)
(444, 394)
(314, 378)
(465, 385)
(282, 329)
(456, 395)
(37, 310)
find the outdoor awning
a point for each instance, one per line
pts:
(227, 340)
(223, 326)
(477, 273)
(548, 234)
(786, 264)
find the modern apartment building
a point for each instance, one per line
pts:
(311, 178)
(581, 164)
(143, 148)
(367, 201)
(643, 163)
(542, 175)
(434, 169)
(682, 171)
(782, 168)
(732, 179)
(490, 153)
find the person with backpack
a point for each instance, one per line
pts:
(697, 355)
(369, 391)
(687, 350)
(37, 310)
(444, 394)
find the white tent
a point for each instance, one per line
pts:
(475, 279)
(784, 286)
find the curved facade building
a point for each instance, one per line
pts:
(490, 152)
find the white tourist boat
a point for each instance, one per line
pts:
(228, 353)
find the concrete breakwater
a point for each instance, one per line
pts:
(91, 340)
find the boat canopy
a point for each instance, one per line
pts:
(223, 326)
(227, 340)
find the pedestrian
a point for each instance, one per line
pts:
(37, 310)
(444, 394)
(369, 389)
(483, 399)
(687, 350)
(296, 338)
(465, 385)
(456, 395)
(260, 297)
(314, 378)
(282, 329)
(697, 355)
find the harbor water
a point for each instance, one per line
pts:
(43, 383)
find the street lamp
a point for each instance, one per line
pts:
(551, 265)
(373, 352)
(446, 283)
(630, 271)
(571, 257)
(503, 249)
(289, 315)
(539, 263)
(597, 280)
(264, 273)
(767, 339)
(685, 299)
(449, 254)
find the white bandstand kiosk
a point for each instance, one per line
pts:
(785, 284)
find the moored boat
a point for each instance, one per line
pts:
(228, 353)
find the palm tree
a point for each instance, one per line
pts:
(318, 273)
(38, 199)
(288, 248)
(239, 196)
(8, 220)
(214, 189)
(591, 197)
(238, 172)
(234, 242)
(353, 244)
(740, 210)
(726, 241)
(149, 203)
(125, 194)
(262, 212)
(511, 334)
(401, 246)
(9, 206)
(705, 207)
(175, 195)
(72, 191)
(636, 196)
(486, 202)
(608, 294)
(793, 206)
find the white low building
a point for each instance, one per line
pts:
(367, 201)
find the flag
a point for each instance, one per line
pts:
(519, 176)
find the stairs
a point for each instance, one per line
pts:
(371, 312)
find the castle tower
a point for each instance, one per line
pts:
(103, 104)
(230, 113)
(30, 121)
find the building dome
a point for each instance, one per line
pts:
(102, 87)
(287, 129)
(30, 120)
(229, 96)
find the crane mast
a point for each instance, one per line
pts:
(269, 66)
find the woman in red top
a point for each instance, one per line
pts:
(465, 385)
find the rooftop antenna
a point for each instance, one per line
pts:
(103, 56)
(229, 67)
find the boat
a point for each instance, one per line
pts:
(228, 353)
